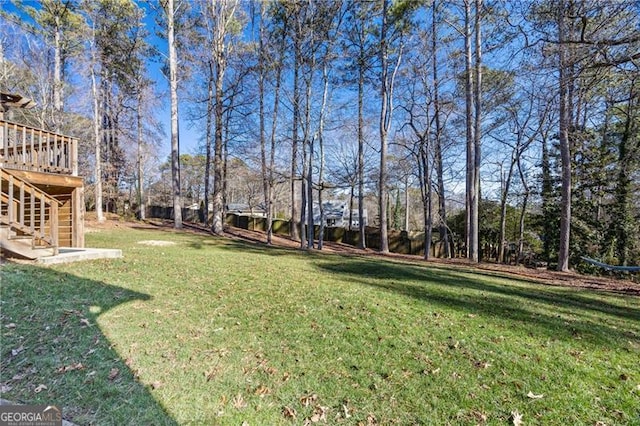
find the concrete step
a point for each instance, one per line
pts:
(71, 254)
(21, 248)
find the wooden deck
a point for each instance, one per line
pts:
(42, 196)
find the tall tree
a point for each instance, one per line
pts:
(170, 11)
(278, 64)
(60, 23)
(477, 106)
(564, 80)
(358, 36)
(438, 136)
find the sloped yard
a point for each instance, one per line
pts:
(191, 329)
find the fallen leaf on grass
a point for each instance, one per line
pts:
(239, 402)
(270, 371)
(262, 391)
(320, 414)
(40, 388)
(516, 418)
(113, 373)
(479, 416)
(289, 413)
(71, 367)
(346, 410)
(307, 400)
(371, 420)
(534, 396)
(209, 375)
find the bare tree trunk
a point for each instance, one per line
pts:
(223, 12)
(175, 138)
(57, 75)
(523, 211)
(442, 209)
(325, 95)
(306, 217)
(423, 172)
(274, 121)
(470, 190)
(362, 244)
(98, 142)
(218, 175)
(293, 226)
(477, 132)
(429, 225)
(141, 203)
(384, 118)
(309, 169)
(503, 205)
(207, 164)
(261, 77)
(406, 203)
(565, 153)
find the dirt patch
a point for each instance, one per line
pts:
(157, 243)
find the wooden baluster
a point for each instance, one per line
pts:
(54, 226)
(24, 147)
(10, 201)
(42, 211)
(14, 146)
(40, 160)
(64, 149)
(21, 216)
(4, 150)
(74, 157)
(56, 152)
(32, 147)
(32, 210)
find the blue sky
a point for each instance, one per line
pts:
(188, 136)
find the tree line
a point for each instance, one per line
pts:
(523, 114)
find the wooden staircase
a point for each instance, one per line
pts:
(28, 218)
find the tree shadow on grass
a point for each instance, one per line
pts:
(533, 309)
(54, 353)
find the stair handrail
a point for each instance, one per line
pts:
(45, 201)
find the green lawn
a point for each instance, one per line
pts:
(212, 331)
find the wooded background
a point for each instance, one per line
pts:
(502, 124)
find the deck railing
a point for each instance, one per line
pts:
(28, 211)
(27, 148)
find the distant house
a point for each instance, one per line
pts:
(336, 214)
(243, 209)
